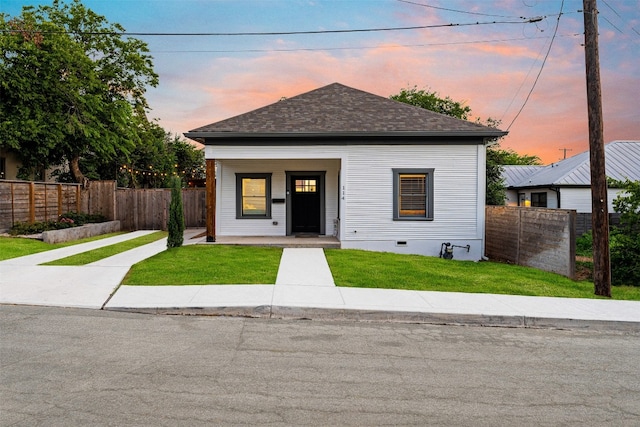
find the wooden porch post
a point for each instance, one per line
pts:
(211, 200)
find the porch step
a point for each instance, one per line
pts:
(328, 242)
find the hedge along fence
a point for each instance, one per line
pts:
(136, 209)
(534, 237)
(23, 201)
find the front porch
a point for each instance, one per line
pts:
(329, 242)
(274, 197)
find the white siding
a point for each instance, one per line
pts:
(274, 152)
(552, 197)
(368, 223)
(226, 222)
(369, 192)
(580, 199)
(366, 193)
(512, 198)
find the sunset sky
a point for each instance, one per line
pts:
(489, 58)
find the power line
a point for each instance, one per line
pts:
(544, 61)
(612, 24)
(620, 17)
(524, 80)
(609, 6)
(456, 10)
(289, 33)
(394, 46)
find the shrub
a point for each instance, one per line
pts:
(584, 244)
(625, 259)
(78, 218)
(67, 220)
(176, 215)
(625, 239)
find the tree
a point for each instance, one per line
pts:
(156, 157)
(510, 157)
(496, 191)
(431, 100)
(625, 239)
(176, 215)
(496, 157)
(71, 86)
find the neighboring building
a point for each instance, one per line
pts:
(10, 165)
(567, 183)
(376, 173)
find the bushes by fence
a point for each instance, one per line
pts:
(136, 209)
(23, 201)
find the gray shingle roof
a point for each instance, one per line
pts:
(338, 109)
(622, 160)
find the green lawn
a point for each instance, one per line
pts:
(13, 247)
(365, 269)
(208, 264)
(107, 251)
(222, 264)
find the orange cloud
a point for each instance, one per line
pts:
(493, 80)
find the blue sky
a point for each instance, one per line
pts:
(491, 66)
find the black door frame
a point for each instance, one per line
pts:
(320, 175)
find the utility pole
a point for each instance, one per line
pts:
(599, 201)
(565, 152)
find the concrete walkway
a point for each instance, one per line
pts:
(304, 267)
(304, 289)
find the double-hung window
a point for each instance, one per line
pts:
(253, 195)
(413, 194)
(539, 200)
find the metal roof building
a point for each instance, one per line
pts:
(566, 184)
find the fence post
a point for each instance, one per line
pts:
(32, 202)
(13, 208)
(59, 199)
(46, 213)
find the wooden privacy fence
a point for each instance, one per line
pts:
(534, 237)
(136, 209)
(583, 222)
(148, 209)
(24, 201)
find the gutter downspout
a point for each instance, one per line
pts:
(557, 191)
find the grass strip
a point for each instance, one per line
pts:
(107, 251)
(14, 247)
(206, 265)
(365, 269)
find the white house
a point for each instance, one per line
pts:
(567, 183)
(375, 173)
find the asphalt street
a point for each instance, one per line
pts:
(72, 367)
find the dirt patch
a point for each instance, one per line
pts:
(584, 268)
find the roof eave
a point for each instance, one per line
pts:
(207, 135)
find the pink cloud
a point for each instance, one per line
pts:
(486, 76)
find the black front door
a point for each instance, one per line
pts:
(305, 203)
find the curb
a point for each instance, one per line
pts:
(330, 314)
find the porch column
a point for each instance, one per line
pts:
(211, 200)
